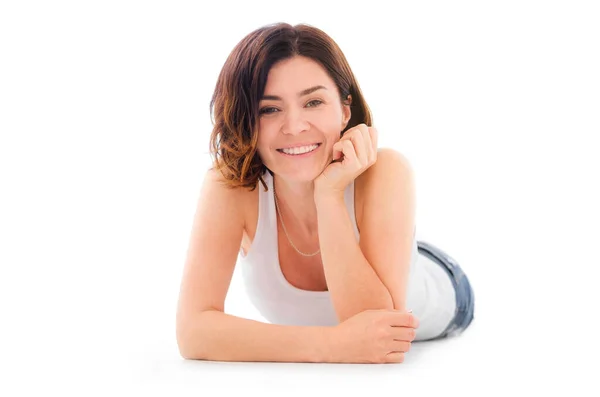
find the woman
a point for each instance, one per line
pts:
(327, 242)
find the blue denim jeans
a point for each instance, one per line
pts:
(465, 299)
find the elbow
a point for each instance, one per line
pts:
(188, 354)
(188, 341)
(185, 351)
(195, 334)
(183, 343)
(189, 349)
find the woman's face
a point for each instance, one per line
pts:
(301, 106)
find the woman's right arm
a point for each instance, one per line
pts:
(214, 335)
(203, 330)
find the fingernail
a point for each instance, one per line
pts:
(410, 311)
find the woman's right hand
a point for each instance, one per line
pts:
(373, 336)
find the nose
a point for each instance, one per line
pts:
(294, 122)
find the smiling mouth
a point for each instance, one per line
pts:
(291, 151)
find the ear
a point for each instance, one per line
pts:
(346, 112)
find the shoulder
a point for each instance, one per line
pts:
(390, 159)
(234, 198)
(390, 165)
(391, 173)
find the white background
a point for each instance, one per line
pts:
(104, 121)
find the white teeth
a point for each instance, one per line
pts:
(300, 150)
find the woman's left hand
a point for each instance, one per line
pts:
(358, 147)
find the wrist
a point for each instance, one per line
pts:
(326, 345)
(327, 198)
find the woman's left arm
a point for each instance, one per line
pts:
(372, 274)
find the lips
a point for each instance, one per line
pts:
(301, 155)
(300, 145)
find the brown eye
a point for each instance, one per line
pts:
(318, 102)
(265, 110)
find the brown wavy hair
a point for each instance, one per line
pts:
(241, 84)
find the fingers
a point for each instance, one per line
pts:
(394, 357)
(374, 137)
(344, 150)
(359, 146)
(369, 140)
(364, 142)
(349, 151)
(338, 151)
(402, 319)
(370, 154)
(399, 346)
(406, 334)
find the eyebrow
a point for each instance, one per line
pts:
(300, 94)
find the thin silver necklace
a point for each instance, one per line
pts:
(283, 225)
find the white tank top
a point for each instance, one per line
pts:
(430, 292)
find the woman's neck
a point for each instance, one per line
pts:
(297, 206)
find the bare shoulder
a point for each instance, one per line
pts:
(392, 157)
(234, 199)
(390, 164)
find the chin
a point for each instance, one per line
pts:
(307, 173)
(300, 176)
